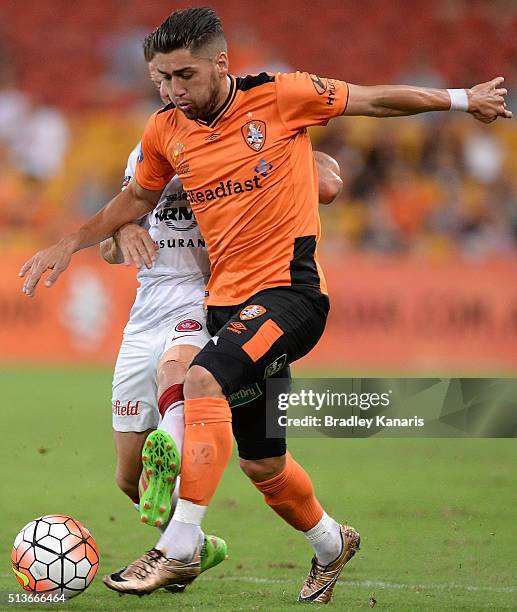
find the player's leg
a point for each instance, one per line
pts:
(178, 350)
(187, 336)
(286, 486)
(183, 340)
(249, 345)
(178, 557)
(288, 491)
(246, 339)
(134, 412)
(208, 444)
(129, 446)
(168, 571)
(161, 455)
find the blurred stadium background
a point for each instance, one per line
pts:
(421, 245)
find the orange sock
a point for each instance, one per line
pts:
(207, 448)
(291, 495)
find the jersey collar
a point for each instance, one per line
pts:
(214, 119)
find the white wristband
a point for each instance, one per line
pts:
(459, 100)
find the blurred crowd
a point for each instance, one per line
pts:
(438, 186)
(441, 185)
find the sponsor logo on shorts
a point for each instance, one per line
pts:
(129, 409)
(174, 338)
(276, 366)
(236, 327)
(188, 325)
(252, 312)
(244, 395)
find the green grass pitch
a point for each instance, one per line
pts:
(437, 516)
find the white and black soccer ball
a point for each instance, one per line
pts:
(55, 554)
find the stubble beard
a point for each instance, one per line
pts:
(211, 104)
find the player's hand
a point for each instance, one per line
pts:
(55, 258)
(136, 245)
(487, 101)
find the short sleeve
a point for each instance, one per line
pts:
(129, 173)
(153, 169)
(305, 99)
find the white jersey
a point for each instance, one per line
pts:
(176, 282)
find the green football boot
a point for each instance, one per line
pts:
(161, 466)
(214, 551)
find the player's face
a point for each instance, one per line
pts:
(158, 82)
(195, 83)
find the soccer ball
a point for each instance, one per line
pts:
(55, 554)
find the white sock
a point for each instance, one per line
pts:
(183, 535)
(325, 539)
(173, 422)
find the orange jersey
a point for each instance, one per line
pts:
(250, 176)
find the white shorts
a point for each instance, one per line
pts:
(134, 401)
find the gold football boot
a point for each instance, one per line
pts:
(319, 584)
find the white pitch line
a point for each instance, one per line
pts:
(377, 584)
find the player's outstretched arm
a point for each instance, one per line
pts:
(486, 101)
(329, 179)
(129, 205)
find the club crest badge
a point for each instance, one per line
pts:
(188, 325)
(252, 312)
(254, 133)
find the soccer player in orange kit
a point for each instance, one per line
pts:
(241, 150)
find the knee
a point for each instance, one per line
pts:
(127, 486)
(199, 382)
(259, 470)
(174, 365)
(170, 373)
